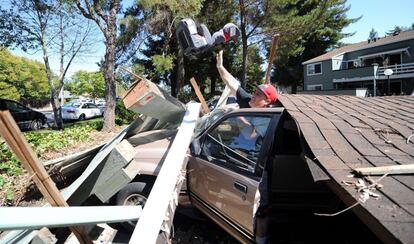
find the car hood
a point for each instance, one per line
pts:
(151, 148)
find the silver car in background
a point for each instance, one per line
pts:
(80, 111)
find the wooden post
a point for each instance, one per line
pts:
(15, 139)
(275, 43)
(199, 95)
(392, 170)
(132, 73)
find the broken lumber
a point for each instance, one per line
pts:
(15, 139)
(199, 95)
(147, 98)
(275, 43)
(161, 195)
(382, 170)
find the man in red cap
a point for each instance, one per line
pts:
(264, 96)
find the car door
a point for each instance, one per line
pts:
(20, 113)
(224, 177)
(94, 110)
(86, 110)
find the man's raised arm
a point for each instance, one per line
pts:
(228, 78)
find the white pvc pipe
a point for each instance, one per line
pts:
(12, 218)
(149, 224)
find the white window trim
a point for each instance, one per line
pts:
(313, 64)
(313, 87)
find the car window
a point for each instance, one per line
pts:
(91, 105)
(74, 105)
(207, 120)
(236, 142)
(16, 108)
(85, 106)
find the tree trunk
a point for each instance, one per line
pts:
(54, 97)
(244, 43)
(213, 86)
(294, 88)
(109, 63)
(176, 85)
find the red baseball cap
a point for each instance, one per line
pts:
(270, 92)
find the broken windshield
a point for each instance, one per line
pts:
(207, 120)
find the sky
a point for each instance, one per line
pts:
(382, 15)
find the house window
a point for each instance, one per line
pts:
(318, 87)
(314, 69)
(351, 64)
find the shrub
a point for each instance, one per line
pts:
(123, 115)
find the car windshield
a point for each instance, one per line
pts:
(73, 105)
(207, 120)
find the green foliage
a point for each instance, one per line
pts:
(372, 34)
(123, 115)
(9, 164)
(308, 29)
(10, 195)
(179, 8)
(255, 73)
(84, 82)
(22, 78)
(2, 181)
(162, 63)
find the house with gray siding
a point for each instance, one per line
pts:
(363, 65)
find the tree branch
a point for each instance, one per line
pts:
(99, 11)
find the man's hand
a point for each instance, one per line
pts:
(219, 58)
(228, 79)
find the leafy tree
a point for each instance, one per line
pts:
(92, 83)
(22, 78)
(315, 26)
(105, 15)
(50, 26)
(397, 29)
(148, 28)
(373, 34)
(160, 41)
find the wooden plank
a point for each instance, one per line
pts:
(14, 218)
(149, 224)
(394, 169)
(275, 43)
(13, 136)
(199, 95)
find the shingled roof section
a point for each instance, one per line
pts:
(345, 133)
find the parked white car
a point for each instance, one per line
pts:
(80, 111)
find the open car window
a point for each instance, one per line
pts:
(236, 142)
